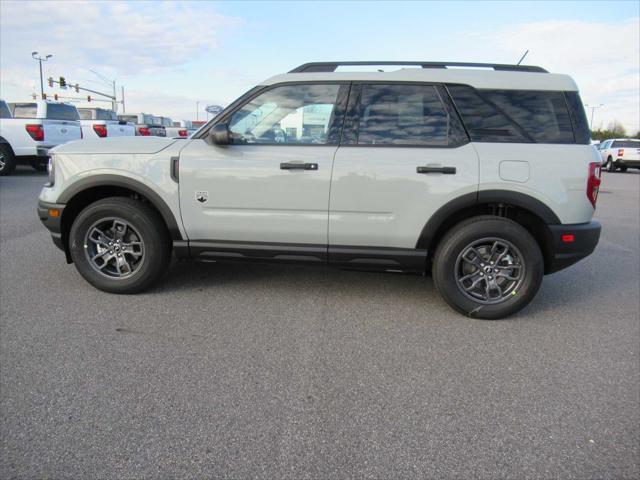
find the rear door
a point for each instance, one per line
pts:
(62, 124)
(404, 155)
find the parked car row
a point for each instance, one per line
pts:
(620, 154)
(29, 130)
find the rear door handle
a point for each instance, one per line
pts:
(298, 166)
(445, 170)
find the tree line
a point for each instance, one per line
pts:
(613, 130)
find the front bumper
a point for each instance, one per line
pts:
(572, 243)
(50, 215)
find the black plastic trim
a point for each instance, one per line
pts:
(482, 197)
(378, 258)
(53, 224)
(125, 182)
(586, 237)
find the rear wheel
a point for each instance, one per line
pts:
(623, 169)
(488, 267)
(120, 245)
(7, 160)
(610, 166)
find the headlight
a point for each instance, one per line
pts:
(52, 171)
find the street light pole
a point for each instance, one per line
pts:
(40, 60)
(197, 110)
(593, 109)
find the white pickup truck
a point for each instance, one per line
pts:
(101, 123)
(620, 153)
(29, 130)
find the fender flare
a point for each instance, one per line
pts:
(468, 200)
(109, 180)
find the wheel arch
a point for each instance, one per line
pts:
(524, 209)
(89, 190)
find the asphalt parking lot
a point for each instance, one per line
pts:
(261, 371)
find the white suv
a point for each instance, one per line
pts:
(483, 176)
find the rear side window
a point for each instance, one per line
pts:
(520, 115)
(25, 110)
(58, 111)
(4, 110)
(406, 115)
(581, 130)
(85, 114)
(542, 115)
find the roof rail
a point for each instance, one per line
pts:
(332, 66)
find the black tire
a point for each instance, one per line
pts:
(447, 264)
(144, 226)
(610, 166)
(39, 164)
(623, 169)
(7, 160)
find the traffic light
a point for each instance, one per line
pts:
(77, 88)
(50, 80)
(88, 98)
(55, 97)
(63, 83)
(44, 96)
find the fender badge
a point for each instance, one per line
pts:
(202, 197)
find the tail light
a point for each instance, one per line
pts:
(182, 133)
(36, 132)
(101, 130)
(593, 183)
(144, 131)
(620, 152)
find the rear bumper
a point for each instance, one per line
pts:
(566, 252)
(623, 162)
(52, 222)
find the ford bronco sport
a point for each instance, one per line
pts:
(481, 174)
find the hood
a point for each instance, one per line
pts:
(115, 145)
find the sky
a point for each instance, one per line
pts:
(171, 55)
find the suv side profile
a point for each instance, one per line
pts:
(483, 176)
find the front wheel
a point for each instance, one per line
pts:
(120, 245)
(488, 267)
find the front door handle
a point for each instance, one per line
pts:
(445, 170)
(298, 166)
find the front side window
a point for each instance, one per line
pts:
(290, 114)
(405, 115)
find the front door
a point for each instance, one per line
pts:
(268, 191)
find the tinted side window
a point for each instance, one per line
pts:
(405, 115)
(542, 115)
(290, 114)
(484, 122)
(58, 111)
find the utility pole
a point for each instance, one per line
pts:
(123, 109)
(197, 110)
(112, 84)
(40, 60)
(593, 108)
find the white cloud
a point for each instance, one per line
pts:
(122, 40)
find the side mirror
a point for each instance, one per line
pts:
(220, 134)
